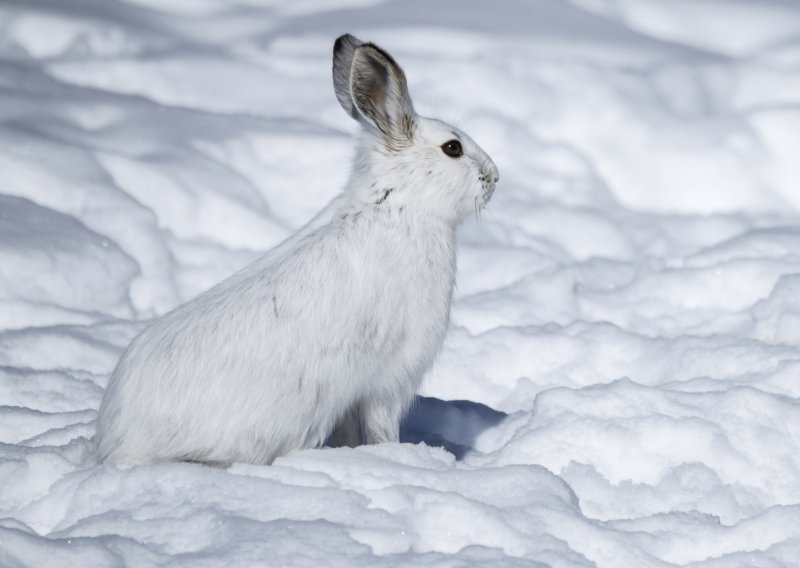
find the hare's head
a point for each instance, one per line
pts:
(415, 162)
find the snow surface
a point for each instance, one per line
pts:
(620, 386)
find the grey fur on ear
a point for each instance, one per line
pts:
(343, 51)
(371, 87)
(380, 94)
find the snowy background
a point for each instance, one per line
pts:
(620, 386)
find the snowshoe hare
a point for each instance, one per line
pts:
(327, 336)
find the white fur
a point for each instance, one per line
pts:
(337, 325)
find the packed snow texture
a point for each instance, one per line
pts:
(620, 385)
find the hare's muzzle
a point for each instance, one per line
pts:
(489, 178)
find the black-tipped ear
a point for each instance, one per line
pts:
(343, 51)
(380, 94)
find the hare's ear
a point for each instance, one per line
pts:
(380, 94)
(343, 51)
(375, 92)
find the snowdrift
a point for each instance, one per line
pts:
(620, 386)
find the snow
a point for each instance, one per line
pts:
(620, 386)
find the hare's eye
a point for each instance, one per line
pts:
(452, 148)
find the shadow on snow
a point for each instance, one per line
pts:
(451, 424)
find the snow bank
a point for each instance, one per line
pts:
(621, 380)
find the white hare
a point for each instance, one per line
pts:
(328, 335)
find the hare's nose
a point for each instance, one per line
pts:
(491, 170)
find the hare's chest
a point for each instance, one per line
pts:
(422, 302)
(403, 276)
(429, 291)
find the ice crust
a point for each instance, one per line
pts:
(620, 386)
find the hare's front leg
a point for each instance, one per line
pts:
(348, 431)
(381, 418)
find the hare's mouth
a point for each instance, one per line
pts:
(488, 185)
(488, 179)
(483, 199)
(488, 191)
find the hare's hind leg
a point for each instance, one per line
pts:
(348, 430)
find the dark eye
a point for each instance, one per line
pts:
(452, 148)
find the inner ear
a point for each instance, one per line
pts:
(380, 94)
